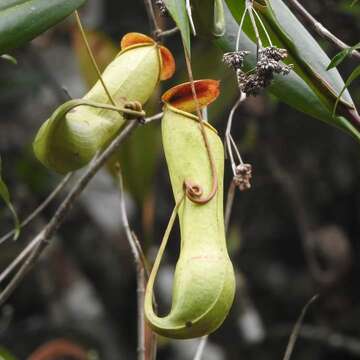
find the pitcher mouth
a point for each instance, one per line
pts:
(180, 98)
(134, 40)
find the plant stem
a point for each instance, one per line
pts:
(296, 330)
(91, 55)
(155, 29)
(153, 118)
(44, 238)
(321, 29)
(166, 33)
(140, 268)
(41, 207)
(228, 138)
(201, 348)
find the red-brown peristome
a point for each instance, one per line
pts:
(181, 96)
(135, 38)
(168, 61)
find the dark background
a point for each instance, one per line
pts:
(305, 188)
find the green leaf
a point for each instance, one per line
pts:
(9, 58)
(308, 56)
(309, 88)
(341, 56)
(209, 17)
(354, 75)
(5, 195)
(23, 20)
(177, 10)
(354, 2)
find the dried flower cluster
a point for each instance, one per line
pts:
(161, 6)
(235, 60)
(243, 176)
(268, 64)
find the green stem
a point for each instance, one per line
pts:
(92, 58)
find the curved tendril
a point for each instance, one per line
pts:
(156, 265)
(194, 192)
(189, 190)
(132, 108)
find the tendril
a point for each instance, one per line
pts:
(188, 185)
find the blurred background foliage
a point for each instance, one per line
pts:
(305, 186)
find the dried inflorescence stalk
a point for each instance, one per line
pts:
(268, 64)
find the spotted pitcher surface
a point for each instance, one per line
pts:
(70, 138)
(204, 283)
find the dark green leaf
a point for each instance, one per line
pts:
(338, 59)
(5, 196)
(177, 10)
(22, 20)
(341, 56)
(354, 75)
(309, 88)
(209, 17)
(304, 49)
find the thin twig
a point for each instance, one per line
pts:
(166, 33)
(157, 32)
(92, 58)
(153, 118)
(18, 260)
(229, 204)
(140, 268)
(321, 29)
(141, 284)
(296, 330)
(45, 236)
(41, 207)
(322, 335)
(249, 4)
(155, 28)
(201, 348)
(241, 98)
(263, 27)
(240, 29)
(143, 259)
